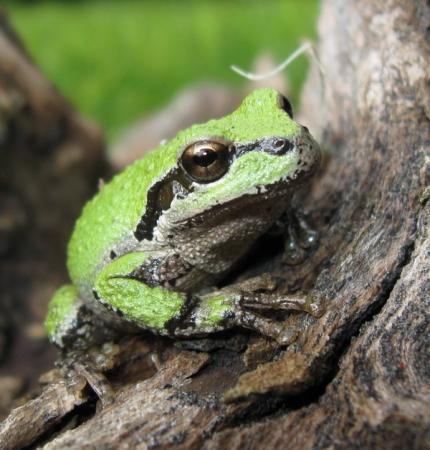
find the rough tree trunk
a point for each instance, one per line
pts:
(356, 378)
(49, 163)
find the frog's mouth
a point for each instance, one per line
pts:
(277, 195)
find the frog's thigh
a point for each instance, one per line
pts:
(62, 314)
(146, 306)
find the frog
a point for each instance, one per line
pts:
(149, 248)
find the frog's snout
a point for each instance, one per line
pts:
(309, 153)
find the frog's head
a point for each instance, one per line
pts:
(229, 167)
(258, 149)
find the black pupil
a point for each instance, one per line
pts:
(205, 157)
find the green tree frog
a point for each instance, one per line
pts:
(151, 241)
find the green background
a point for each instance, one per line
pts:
(118, 60)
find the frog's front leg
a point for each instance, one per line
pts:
(300, 238)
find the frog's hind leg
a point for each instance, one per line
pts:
(71, 324)
(63, 315)
(122, 288)
(73, 327)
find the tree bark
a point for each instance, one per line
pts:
(50, 162)
(356, 378)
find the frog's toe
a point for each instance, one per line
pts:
(97, 381)
(294, 254)
(301, 240)
(307, 303)
(286, 336)
(308, 239)
(296, 302)
(316, 308)
(267, 327)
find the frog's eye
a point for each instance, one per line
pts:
(206, 161)
(286, 105)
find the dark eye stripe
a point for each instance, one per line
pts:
(159, 198)
(273, 145)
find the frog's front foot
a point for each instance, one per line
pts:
(300, 240)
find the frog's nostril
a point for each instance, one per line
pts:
(281, 146)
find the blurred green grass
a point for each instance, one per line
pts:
(117, 60)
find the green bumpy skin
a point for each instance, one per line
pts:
(116, 210)
(147, 306)
(61, 309)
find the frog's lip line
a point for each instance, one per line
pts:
(267, 192)
(279, 188)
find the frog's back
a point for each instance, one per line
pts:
(111, 217)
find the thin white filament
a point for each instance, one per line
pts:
(306, 47)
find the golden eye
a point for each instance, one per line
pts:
(206, 161)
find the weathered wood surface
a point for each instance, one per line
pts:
(50, 160)
(359, 376)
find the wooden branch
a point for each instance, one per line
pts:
(50, 162)
(357, 377)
